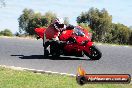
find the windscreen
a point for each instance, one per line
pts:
(78, 31)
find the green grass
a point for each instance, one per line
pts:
(23, 79)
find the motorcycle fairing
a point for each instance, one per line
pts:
(40, 32)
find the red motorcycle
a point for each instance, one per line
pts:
(75, 42)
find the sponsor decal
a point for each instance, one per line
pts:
(82, 78)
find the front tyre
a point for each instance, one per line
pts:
(94, 54)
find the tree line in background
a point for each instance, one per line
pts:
(103, 29)
(6, 32)
(29, 20)
(98, 21)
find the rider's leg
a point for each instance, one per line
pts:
(46, 43)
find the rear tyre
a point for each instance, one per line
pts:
(95, 53)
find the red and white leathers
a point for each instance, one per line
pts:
(52, 32)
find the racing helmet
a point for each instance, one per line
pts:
(59, 24)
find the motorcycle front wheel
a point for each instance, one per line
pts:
(94, 54)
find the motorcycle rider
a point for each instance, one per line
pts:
(52, 33)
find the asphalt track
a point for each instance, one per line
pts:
(28, 53)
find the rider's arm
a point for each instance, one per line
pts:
(70, 27)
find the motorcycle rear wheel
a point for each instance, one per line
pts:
(95, 53)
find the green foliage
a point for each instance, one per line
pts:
(130, 38)
(49, 17)
(23, 79)
(120, 34)
(6, 32)
(99, 21)
(85, 26)
(29, 20)
(24, 19)
(103, 29)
